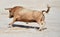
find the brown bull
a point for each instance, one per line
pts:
(19, 13)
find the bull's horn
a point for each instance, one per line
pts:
(8, 8)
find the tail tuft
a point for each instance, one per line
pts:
(47, 9)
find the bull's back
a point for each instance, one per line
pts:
(27, 14)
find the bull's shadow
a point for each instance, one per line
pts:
(23, 26)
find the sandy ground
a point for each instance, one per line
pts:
(52, 20)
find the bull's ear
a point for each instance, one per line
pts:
(8, 8)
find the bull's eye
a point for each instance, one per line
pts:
(9, 11)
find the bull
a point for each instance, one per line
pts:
(19, 13)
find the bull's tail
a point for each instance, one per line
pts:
(47, 9)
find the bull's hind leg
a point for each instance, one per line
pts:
(41, 25)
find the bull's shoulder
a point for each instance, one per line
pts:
(16, 8)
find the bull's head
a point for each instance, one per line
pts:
(10, 12)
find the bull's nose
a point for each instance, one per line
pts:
(10, 16)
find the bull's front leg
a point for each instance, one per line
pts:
(10, 24)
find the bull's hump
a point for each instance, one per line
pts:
(26, 10)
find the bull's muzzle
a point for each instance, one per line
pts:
(10, 16)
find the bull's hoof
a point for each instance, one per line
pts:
(42, 29)
(10, 26)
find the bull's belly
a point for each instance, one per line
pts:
(25, 20)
